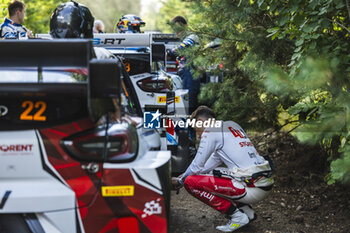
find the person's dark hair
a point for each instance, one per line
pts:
(203, 111)
(15, 6)
(179, 19)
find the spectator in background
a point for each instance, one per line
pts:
(179, 25)
(12, 26)
(99, 27)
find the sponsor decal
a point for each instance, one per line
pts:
(16, 149)
(222, 188)
(118, 191)
(243, 144)
(162, 99)
(252, 155)
(171, 139)
(152, 207)
(204, 194)
(4, 198)
(106, 41)
(3, 110)
(151, 120)
(207, 195)
(238, 133)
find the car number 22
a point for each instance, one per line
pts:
(38, 115)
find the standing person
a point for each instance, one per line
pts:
(12, 26)
(99, 26)
(179, 25)
(246, 180)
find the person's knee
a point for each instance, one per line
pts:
(190, 182)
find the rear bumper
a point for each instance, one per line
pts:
(35, 195)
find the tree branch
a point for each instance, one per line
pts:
(341, 25)
(280, 127)
(216, 36)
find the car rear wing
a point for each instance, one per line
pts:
(102, 89)
(122, 40)
(134, 47)
(171, 41)
(49, 53)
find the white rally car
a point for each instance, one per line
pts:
(68, 162)
(144, 57)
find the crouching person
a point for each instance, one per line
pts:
(246, 179)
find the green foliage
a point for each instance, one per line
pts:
(112, 10)
(38, 14)
(169, 10)
(281, 58)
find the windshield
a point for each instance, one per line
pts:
(44, 75)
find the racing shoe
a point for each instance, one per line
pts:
(238, 220)
(247, 209)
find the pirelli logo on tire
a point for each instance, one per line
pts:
(162, 99)
(118, 191)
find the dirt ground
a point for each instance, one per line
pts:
(301, 200)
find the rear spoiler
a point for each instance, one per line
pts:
(104, 75)
(37, 53)
(149, 47)
(131, 45)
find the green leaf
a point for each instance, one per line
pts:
(260, 2)
(296, 56)
(309, 28)
(273, 6)
(315, 36)
(323, 11)
(313, 45)
(291, 63)
(298, 49)
(299, 42)
(274, 33)
(283, 21)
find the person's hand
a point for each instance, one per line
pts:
(176, 185)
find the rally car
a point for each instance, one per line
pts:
(144, 56)
(144, 60)
(71, 159)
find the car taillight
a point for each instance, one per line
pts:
(94, 145)
(155, 85)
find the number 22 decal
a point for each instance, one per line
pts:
(29, 105)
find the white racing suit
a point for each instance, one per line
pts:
(224, 188)
(10, 29)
